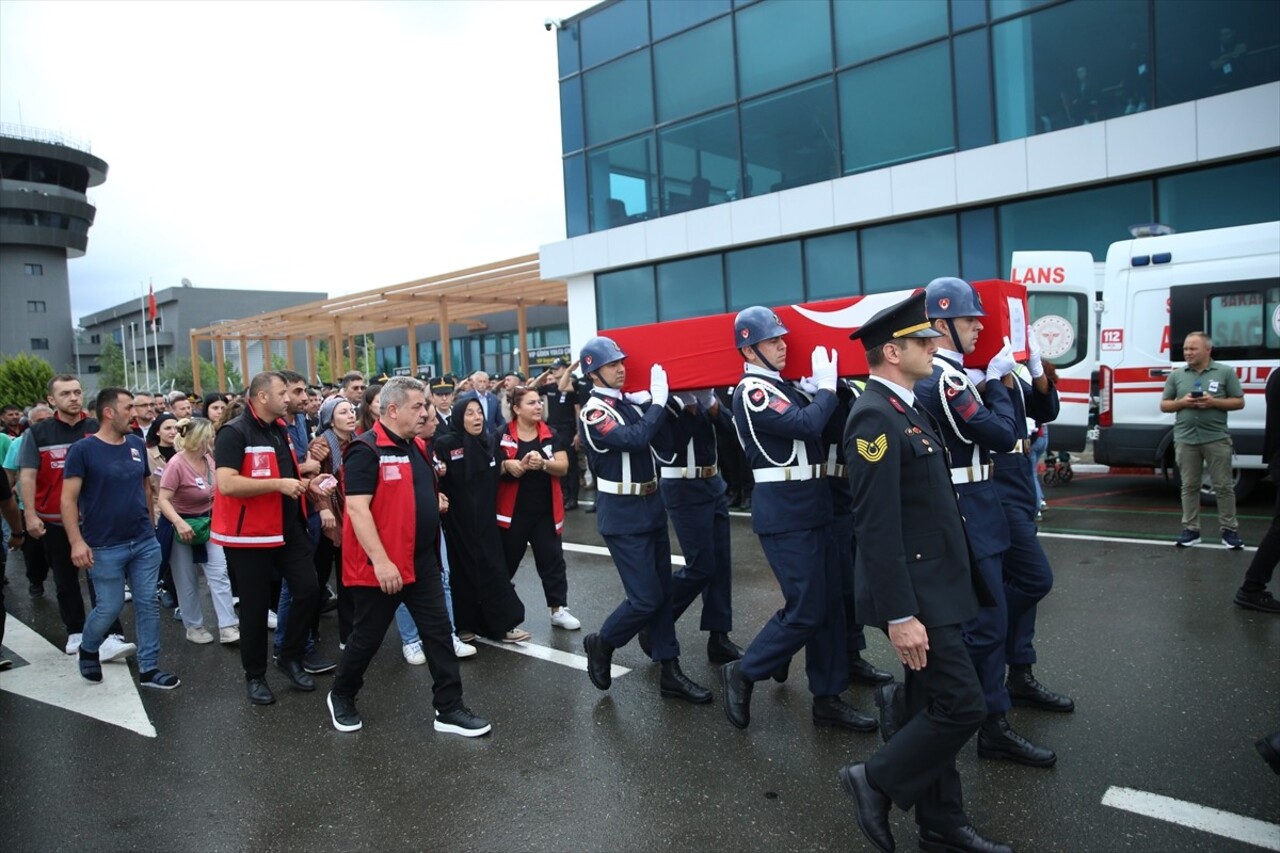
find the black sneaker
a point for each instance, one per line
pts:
(35, 590)
(1263, 601)
(1231, 539)
(1188, 537)
(315, 663)
(342, 710)
(157, 680)
(460, 721)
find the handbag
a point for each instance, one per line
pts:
(199, 529)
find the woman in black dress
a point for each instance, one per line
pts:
(484, 600)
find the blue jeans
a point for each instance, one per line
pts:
(404, 621)
(138, 562)
(1039, 448)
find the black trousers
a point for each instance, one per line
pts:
(1265, 558)
(329, 560)
(253, 569)
(374, 610)
(33, 556)
(548, 555)
(66, 577)
(944, 707)
(569, 482)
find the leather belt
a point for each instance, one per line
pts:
(704, 472)
(971, 474)
(782, 475)
(636, 489)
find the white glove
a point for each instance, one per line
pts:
(976, 376)
(1002, 363)
(824, 369)
(808, 386)
(658, 385)
(1035, 362)
(639, 398)
(707, 399)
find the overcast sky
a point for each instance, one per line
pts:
(296, 145)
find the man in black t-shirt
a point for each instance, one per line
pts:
(560, 412)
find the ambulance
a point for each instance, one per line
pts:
(1154, 290)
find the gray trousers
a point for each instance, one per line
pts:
(1192, 460)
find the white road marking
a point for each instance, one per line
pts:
(53, 677)
(601, 551)
(1124, 540)
(1215, 821)
(534, 650)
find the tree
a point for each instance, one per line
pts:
(279, 362)
(24, 379)
(322, 362)
(179, 373)
(111, 361)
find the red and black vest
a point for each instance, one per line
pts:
(394, 509)
(52, 438)
(256, 522)
(509, 487)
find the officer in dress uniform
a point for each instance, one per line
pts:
(618, 434)
(442, 399)
(976, 414)
(781, 431)
(915, 579)
(694, 494)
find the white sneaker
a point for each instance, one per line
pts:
(128, 593)
(199, 634)
(460, 649)
(229, 634)
(413, 653)
(115, 648)
(562, 618)
(73, 643)
(271, 620)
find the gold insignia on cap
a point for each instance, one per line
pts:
(873, 451)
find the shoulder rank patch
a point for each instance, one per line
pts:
(595, 416)
(874, 450)
(961, 402)
(779, 404)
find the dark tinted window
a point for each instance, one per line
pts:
(571, 114)
(625, 298)
(690, 288)
(700, 162)
(789, 138)
(831, 265)
(978, 253)
(1206, 49)
(904, 255)
(765, 275)
(1238, 194)
(624, 183)
(619, 98)
(671, 16)
(870, 28)
(575, 196)
(694, 70)
(780, 42)
(1085, 221)
(897, 109)
(974, 109)
(613, 31)
(567, 49)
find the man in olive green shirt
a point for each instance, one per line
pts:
(1201, 394)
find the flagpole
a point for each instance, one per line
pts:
(146, 363)
(124, 362)
(133, 352)
(155, 336)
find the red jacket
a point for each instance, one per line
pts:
(52, 438)
(509, 487)
(394, 509)
(256, 522)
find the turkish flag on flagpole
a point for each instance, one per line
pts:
(151, 306)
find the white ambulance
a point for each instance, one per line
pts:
(1155, 290)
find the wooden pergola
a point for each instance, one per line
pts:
(460, 297)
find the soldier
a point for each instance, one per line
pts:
(618, 435)
(781, 432)
(916, 580)
(976, 416)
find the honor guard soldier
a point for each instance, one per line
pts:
(975, 413)
(694, 495)
(781, 432)
(618, 435)
(916, 580)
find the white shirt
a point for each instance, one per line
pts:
(908, 396)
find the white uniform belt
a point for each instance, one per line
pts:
(611, 487)
(1022, 446)
(793, 472)
(836, 469)
(704, 472)
(972, 474)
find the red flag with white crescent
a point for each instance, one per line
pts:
(151, 306)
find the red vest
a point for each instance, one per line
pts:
(53, 439)
(394, 509)
(509, 487)
(256, 522)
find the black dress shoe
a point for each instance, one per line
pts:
(259, 692)
(872, 806)
(737, 695)
(720, 649)
(962, 839)
(676, 685)
(864, 673)
(645, 646)
(1269, 748)
(834, 711)
(570, 506)
(780, 674)
(591, 509)
(599, 660)
(889, 699)
(997, 739)
(1025, 691)
(297, 676)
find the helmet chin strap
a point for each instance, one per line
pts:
(955, 336)
(755, 348)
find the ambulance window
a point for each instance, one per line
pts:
(1060, 321)
(1242, 318)
(1235, 319)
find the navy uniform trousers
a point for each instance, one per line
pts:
(699, 512)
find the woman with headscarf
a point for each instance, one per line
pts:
(336, 427)
(484, 600)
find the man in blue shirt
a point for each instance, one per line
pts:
(106, 511)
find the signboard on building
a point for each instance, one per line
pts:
(543, 356)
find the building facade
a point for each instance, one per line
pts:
(45, 217)
(723, 153)
(178, 310)
(490, 344)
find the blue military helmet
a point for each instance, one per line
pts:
(948, 297)
(756, 324)
(598, 352)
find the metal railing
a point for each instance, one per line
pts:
(53, 137)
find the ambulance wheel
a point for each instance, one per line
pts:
(1244, 480)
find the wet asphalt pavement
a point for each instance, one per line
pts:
(1172, 686)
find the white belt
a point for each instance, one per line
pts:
(794, 472)
(704, 472)
(1022, 446)
(614, 488)
(972, 474)
(836, 469)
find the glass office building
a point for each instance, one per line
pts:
(721, 153)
